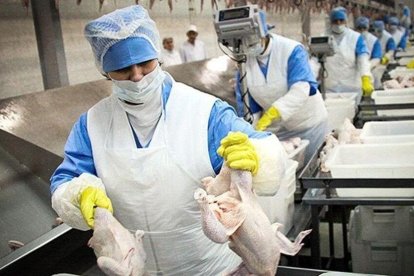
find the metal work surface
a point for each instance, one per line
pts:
(25, 211)
(46, 118)
(62, 250)
(213, 76)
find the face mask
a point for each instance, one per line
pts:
(255, 50)
(378, 33)
(338, 29)
(393, 28)
(139, 92)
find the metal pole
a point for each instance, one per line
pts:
(248, 115)
(315, 246)
(322, 60)
(50, 44)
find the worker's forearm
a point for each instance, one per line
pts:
(65, 199)
(293, 100)
(364, 65)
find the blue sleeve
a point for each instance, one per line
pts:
(78, 155)
(254, 106)
(390, 45)
(222, 120)
(299, 69)
(376, 50)
(403, 42)
(361, 47)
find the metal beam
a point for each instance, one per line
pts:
(50, 44)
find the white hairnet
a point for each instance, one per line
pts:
(130, 25)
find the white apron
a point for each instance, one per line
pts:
(383, 41)
(370, 39)
(152, 188)
(397, 35)
(310, 122)
(379, 70)
(342, 71)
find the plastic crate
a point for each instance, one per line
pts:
(280, 207)
(401, 71)
(373, 161)
(394, 96)
(299, 154)
(384, 255)
(388, 132)
(378, 223)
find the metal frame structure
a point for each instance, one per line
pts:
(321, 193)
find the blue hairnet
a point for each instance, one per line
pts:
(406, 11)
(362, 22)
(378, 25)
(123, 37)
(394, 21)
(338, 13)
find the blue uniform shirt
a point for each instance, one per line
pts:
(390, 46)
(361, 47)
(376, 50)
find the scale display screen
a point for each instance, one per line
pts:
(234, 14)
(320, 39)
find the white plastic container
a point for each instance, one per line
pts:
(280, 207)
(373, 161)
(394, 96)
(339, 107)
(387, 132)
(401, 71)
(299, 154)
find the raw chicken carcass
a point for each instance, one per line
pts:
(291, 144)
(119, 252)
(330, 143)
(348, 133)
(236, 216)
(399, 81)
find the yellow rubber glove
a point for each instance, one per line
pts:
(384, 60)
(267, 118)
(239, 152)
(410, 65)
(90, 198)
(367, 86)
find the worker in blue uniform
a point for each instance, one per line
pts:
(406, 20)
(373, 43)
(398, 32)
(386, 40)
(348, 70)
(374, 48)
(142, 151)
(283, 93)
